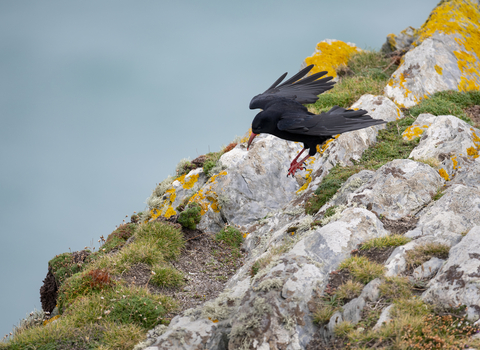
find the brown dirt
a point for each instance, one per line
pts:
(473, 113)
(206, 265)
(317, 344)
(400, 226)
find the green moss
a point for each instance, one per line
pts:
(448, 102)
(231, 236)
(211, 161)
(190, 217)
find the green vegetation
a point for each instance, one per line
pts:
(99, 308)
(63, 266)
(415, 325)
(211, 161)
(448, 102)
(184, 167)
(349, 290)
(362, 269)
(166, 276)
(424, 252)
(365, 73)
(231, 236)
(389, 146)
(190, 217)
(395, 288)
(394, 240)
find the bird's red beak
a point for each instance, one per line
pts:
(252, 136)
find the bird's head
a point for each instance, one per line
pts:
(262, 124)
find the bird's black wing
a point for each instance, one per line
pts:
(304, 90)
(336, 121)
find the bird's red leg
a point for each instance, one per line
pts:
(294, 166)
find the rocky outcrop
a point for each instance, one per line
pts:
(268, 303)
(445, 55)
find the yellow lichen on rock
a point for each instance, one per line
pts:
(206, 197)
(462, 19)
(191, 181)
(438, 69)
(329, 55)
(443, 173)
(412, 132)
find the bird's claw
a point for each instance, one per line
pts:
(294, 167)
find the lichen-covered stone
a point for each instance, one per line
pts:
(329, 54)
(445, 57)
(428, 269)
(400, 42)
(379, 107)
(455, 213)
(458, 281)
(399, 188)
(444, 136)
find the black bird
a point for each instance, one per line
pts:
(285, 116)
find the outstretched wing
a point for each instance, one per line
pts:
(336, 121)
(303, 91)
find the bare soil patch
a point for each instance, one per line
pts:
(473, 113)
(206, 265)
(378, 255)
(399, 226)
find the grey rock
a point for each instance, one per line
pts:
(458, 281)
(400, 42)
(430, 67)
(399, 188)
(428, 269)
(352, 311)
(452, 215)
(371, 291)
(384, 317)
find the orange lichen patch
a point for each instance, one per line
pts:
(172, 193)
(443, 173)
(471, 151)
(455, 162)
(155, 213)
(207, 198)
(245, 235)
(438, 69)
(51, 320)
(326, 144)
(191, 181)
(460, 18)
(245, 139)
(329, 56)
(412, 132)
(169, 212)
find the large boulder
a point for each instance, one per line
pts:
(458, 281)
(446, 55)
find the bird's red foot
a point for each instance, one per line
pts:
(294, 166)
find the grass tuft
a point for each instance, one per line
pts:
(362, 269)
(425, 252)
(448, 102)
(231, 236)
(394, 240)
